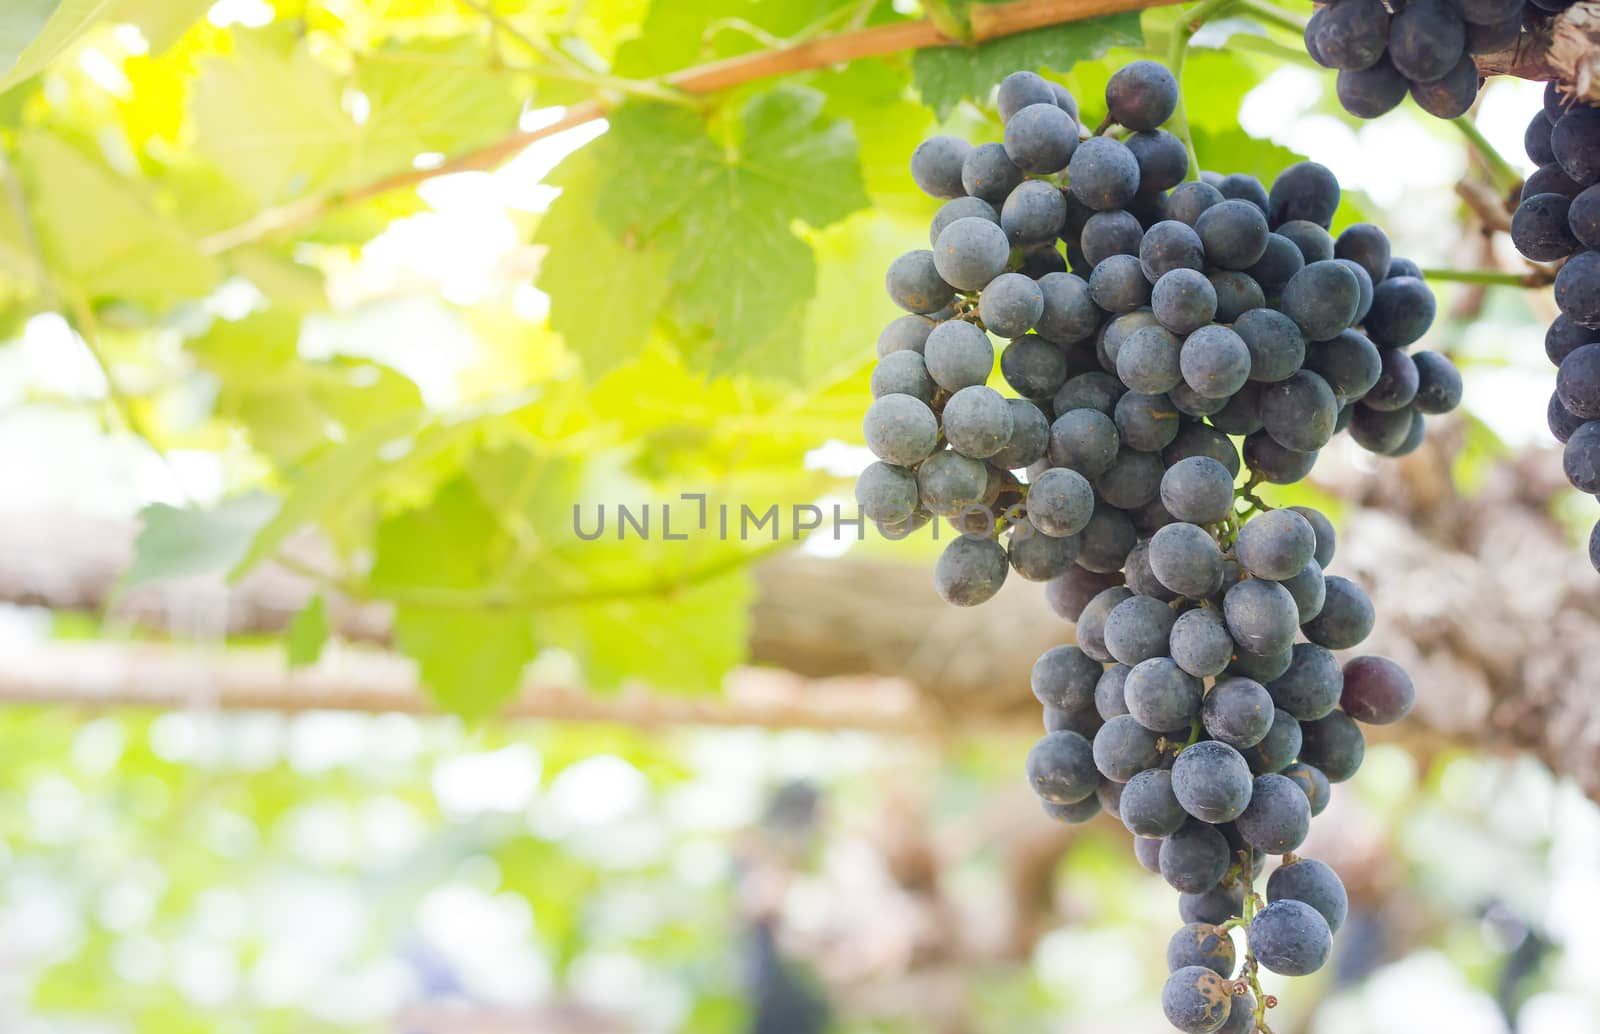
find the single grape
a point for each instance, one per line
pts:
(1546, 179)
(1117, 330)
(1069, 312)
(1210, 779)
(1170, 245)
(1190, 402)
(1123, 748)
(1276, 544)
(970, 253)
(900, 429)
(1071, 593)
(1290, 938)
(886, 492)
(1575, 145)
(958, 355)
(1195, 858)
(1084, 440)
(914, 283)
(1334, 744)
(1451, 95)
(1196, 1000)
(1108, 692)
(1309, 589)
(1146, 423)
(1148, 852)
(1202, 944)
(1221, 903)
(1108, 538)
(936, 165)
(1110, 233)
(1279, 263)
(1077, 813)
(1184, 300)
(1490, 39)
(1148, 806)
(1103, 174)
(1306, 191)
(970, 571)
(905, 334)
(988, 172)
(1261, 616)
(1402, 311)
(1273, 462)
(1010, 306)
(1199, 643)
(1237, 293)
(1141, 95)
(1300, 412)
(1348, 34)
(1033, 367)
(1160, 695)
(1060, 502)
(1138, 629)
(1234, 234)
(1578, 382)
(1163, 160)
(1578, 288)
(1313, 240)
(1563, 425)
(1426, 39)
(1198, 490)
(1148, 360)
(1034, 212)
(1583, 216)
(1274, 342)
(1439, 385)
(1039, 557)
(1041, 138)
(1189, 200)
(1198, 439)
(1238, 711)
(1312, 883)
(903, 373)
(1263, 668)
(1322, 299)
(1133, 479)
(1380, 431)
(1186, 560)
(949, 482)
(1349, 364)
(960, 208)
(1242, 186)
(1347, 616)
(1020, 89)
(1278, 816)
(1061, 768)
(1119, 285)
(1376, 690)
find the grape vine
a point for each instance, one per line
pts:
(1196, 339)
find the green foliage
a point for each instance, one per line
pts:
(945, 76)
(308, 634)
(177, 542)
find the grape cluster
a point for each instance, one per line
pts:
(1385, 49)
(1192, 331)
(1558, 219)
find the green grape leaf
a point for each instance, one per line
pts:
(677, 35)
(101, 235)
(32, 32)
(683, 641)
(605, 291)
(945, 76)
(175, 543)
(717, 209)
(307, 634)
(279, 125)
(471, 659)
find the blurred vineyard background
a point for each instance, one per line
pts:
(318, 316)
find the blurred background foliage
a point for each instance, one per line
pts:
(278, 271)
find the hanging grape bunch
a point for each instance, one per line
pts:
(1384, 49)
(1558, 220)
(1187, 317)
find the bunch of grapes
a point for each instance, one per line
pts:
(1384, 49)
(1558, 220)
(1192, 331)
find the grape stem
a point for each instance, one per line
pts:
(1505, 174)
(1177, 50)
(1490, 277)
